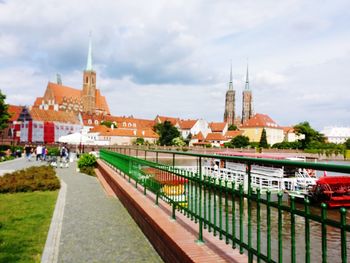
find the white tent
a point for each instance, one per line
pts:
(78, 138)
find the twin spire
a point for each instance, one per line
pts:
(230, 85)
(89, 58)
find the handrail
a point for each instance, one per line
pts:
(212, 202)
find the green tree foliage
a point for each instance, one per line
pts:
(287, 145)
(178, 141)
(108, 124)
(86, 163)
(167, 132)
(263, 140)
(232, 127)
(4, 115)
(239, 141)
(347, 144)
(312, 137)
(139, 141)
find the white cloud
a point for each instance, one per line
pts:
(173, 57)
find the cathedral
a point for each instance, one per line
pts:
(87, 100)
(230, 103)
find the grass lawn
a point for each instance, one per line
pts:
(24, 223)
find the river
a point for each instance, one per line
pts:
(333, 234)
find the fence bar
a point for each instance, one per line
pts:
(258, 219)
(324, 232)
(280, 237)
(307, 230)
(343, 234)
(268, 222)
(241, 219)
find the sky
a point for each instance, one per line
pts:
(173, 57)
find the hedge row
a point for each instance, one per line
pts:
(36, 178)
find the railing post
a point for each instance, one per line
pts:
(156, 157)
(173, 216)
(250, 255)
(324, 232)
(200, 238)
(233, 215)
(307, 230)
(343, 234)
(241, 218)
(280, 237)
(268, 219)
(292, 228)
(258, 234)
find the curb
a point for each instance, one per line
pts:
(50, 253)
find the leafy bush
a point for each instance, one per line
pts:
(54, 151)
(36, 178)
(87, 163)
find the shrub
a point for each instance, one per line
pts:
(87, 163)
(54, 151)
(36, 178)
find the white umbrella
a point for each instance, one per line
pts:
(75, 138)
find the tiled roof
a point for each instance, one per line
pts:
(38, 101)
(14, 111)
(60, 91)
(171, 119)
(140, 133)
(187, 124)
(123, 122)
(232, 134)
(101, 102)
(51, 115)
(217, 126)
(215, 137)
(260, 120)
(198, 136)
(288, 129)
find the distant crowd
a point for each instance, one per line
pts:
(40, 153)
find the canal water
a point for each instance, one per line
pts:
(333, 234)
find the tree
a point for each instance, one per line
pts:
(108, 124)
(347, 144)
(178, 142)
(312, 137)
(232, 127)
(4, 115)
(139, 141)
(167, 132)
(239, 142)
(263, 140)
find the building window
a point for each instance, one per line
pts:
(35, 126)
(96, 122)
(124, 124)
(87, 79)
(89, 121)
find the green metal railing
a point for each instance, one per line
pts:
(265, 226)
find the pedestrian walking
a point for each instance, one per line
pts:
(28, 152)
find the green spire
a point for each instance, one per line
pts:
(230, 85)
(89, 58)
(247, 80)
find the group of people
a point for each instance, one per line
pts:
(41, 154)
(40, 151)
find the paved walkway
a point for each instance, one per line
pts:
(17, 164)
(97, 228)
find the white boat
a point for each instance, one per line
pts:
(276, 178)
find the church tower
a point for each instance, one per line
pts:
(89, 84)
(247, 107)
(229, 115)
